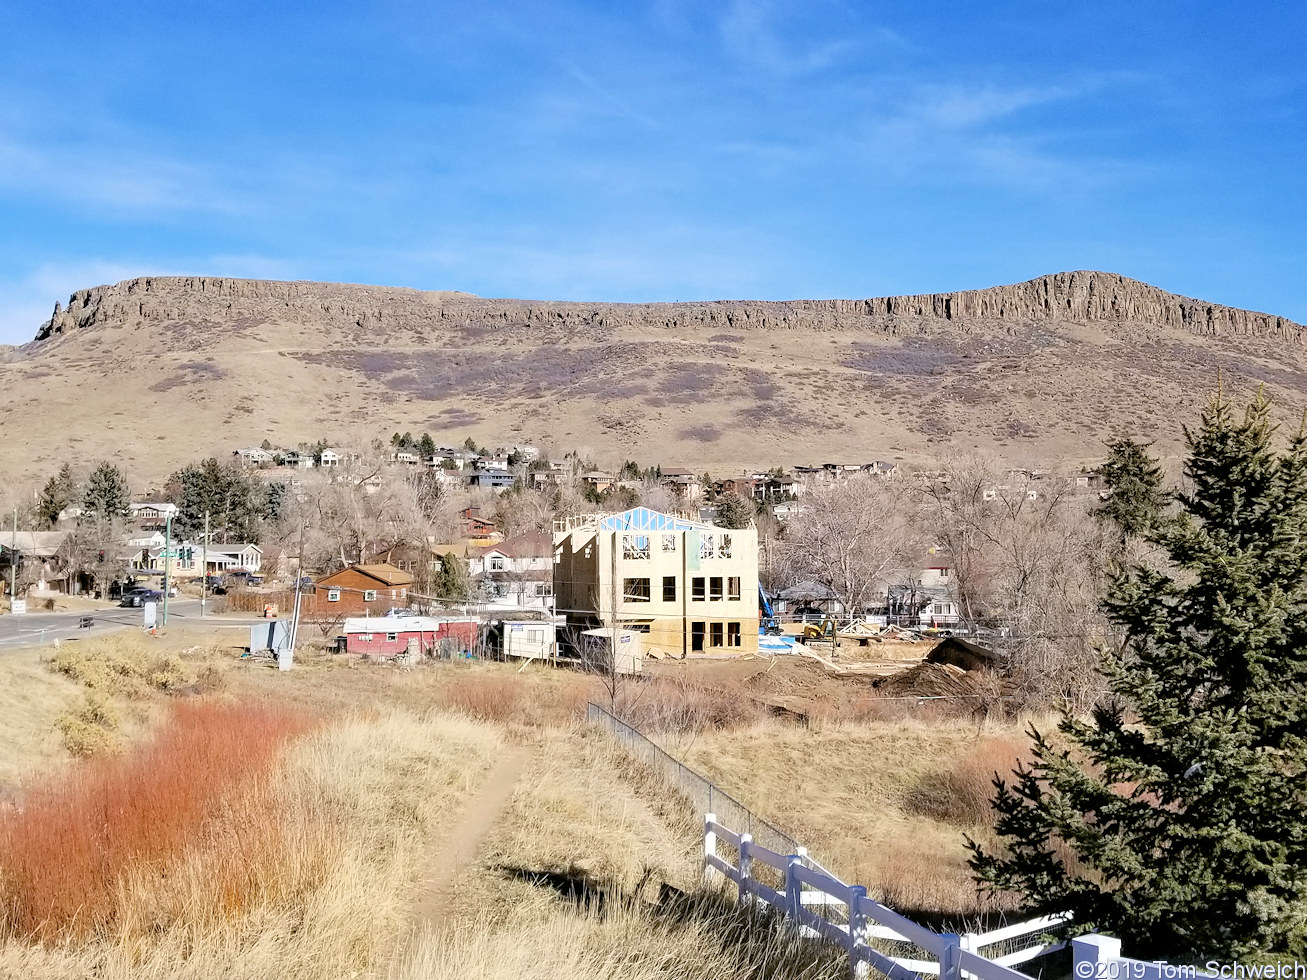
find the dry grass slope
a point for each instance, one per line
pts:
(1036, 372)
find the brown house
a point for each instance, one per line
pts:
(360, 590)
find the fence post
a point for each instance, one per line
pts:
(709, 846)
(1093, 956)
(857, 929)
(794, 887)
(969, 941)
(950, 966)
(746, 865)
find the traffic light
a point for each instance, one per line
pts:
(102, 556)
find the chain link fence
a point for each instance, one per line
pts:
(704, 795)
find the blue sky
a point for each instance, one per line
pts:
(653, 151)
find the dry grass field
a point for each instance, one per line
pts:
(257, 823)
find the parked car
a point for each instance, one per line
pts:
(139, 597)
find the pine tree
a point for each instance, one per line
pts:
(1174, 818)
(1133, 480)
(107, 494)
(59, 492)
(735, 511)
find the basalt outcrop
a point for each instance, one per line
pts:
(1081, 297)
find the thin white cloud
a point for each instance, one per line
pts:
(751, 31)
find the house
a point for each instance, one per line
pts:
(386, 636)
(686, 486)
(742, 486)
(598, 482)
(767, 488)
(691, 588)
(297, 460)
(808, 601)
(254, 456)
(918, 606)
(490, 478)
(329, 458)
(786, 509)
(360, 590)
(477, 530)
(246, 556)
(516, 573)
(39, 559)
(406, 458)
(150, 515)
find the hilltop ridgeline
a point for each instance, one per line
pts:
(1083, 297)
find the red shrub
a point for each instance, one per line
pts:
(64, 851)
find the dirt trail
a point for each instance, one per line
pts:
(451, 856)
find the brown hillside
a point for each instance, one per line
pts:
(154, 372)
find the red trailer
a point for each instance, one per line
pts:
(385, 636)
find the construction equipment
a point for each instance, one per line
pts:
(767, 621)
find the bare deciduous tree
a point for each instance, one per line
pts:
(854, 537)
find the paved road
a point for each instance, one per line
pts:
(38, 628)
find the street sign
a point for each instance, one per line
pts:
(18, 607)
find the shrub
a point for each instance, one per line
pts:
(126, 667)
(89, 728)
(962, 793)
(64, 854)
(678, 705)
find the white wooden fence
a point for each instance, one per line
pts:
(821, 905)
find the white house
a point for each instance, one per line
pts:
(516, 573)
(254, 456)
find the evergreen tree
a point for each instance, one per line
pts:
(235, 501)
(1136, 499)
(735, 511)
(107, 494)
(452, 580)
(427, 446)
(58, 494)
(1175, 816)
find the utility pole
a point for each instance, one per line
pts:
(13, 563)
(299, 584)
(204, 565)
(167, 563)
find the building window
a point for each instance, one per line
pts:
(715, 588)
(496, 564)
(724, 546)
(733, 588)
(707, 545)
(732, 634)
(696, 637)
(669, 542)
(370, 595)
(333, 595)
(546, 589)
(716, 634)
(392, 637)
(943, 573)
(669, 588)
(635, 589)
(697, 591)
(635, 546)
(365, 637)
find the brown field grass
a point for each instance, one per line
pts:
(65, 853)
(313, 869)
(853, 794)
